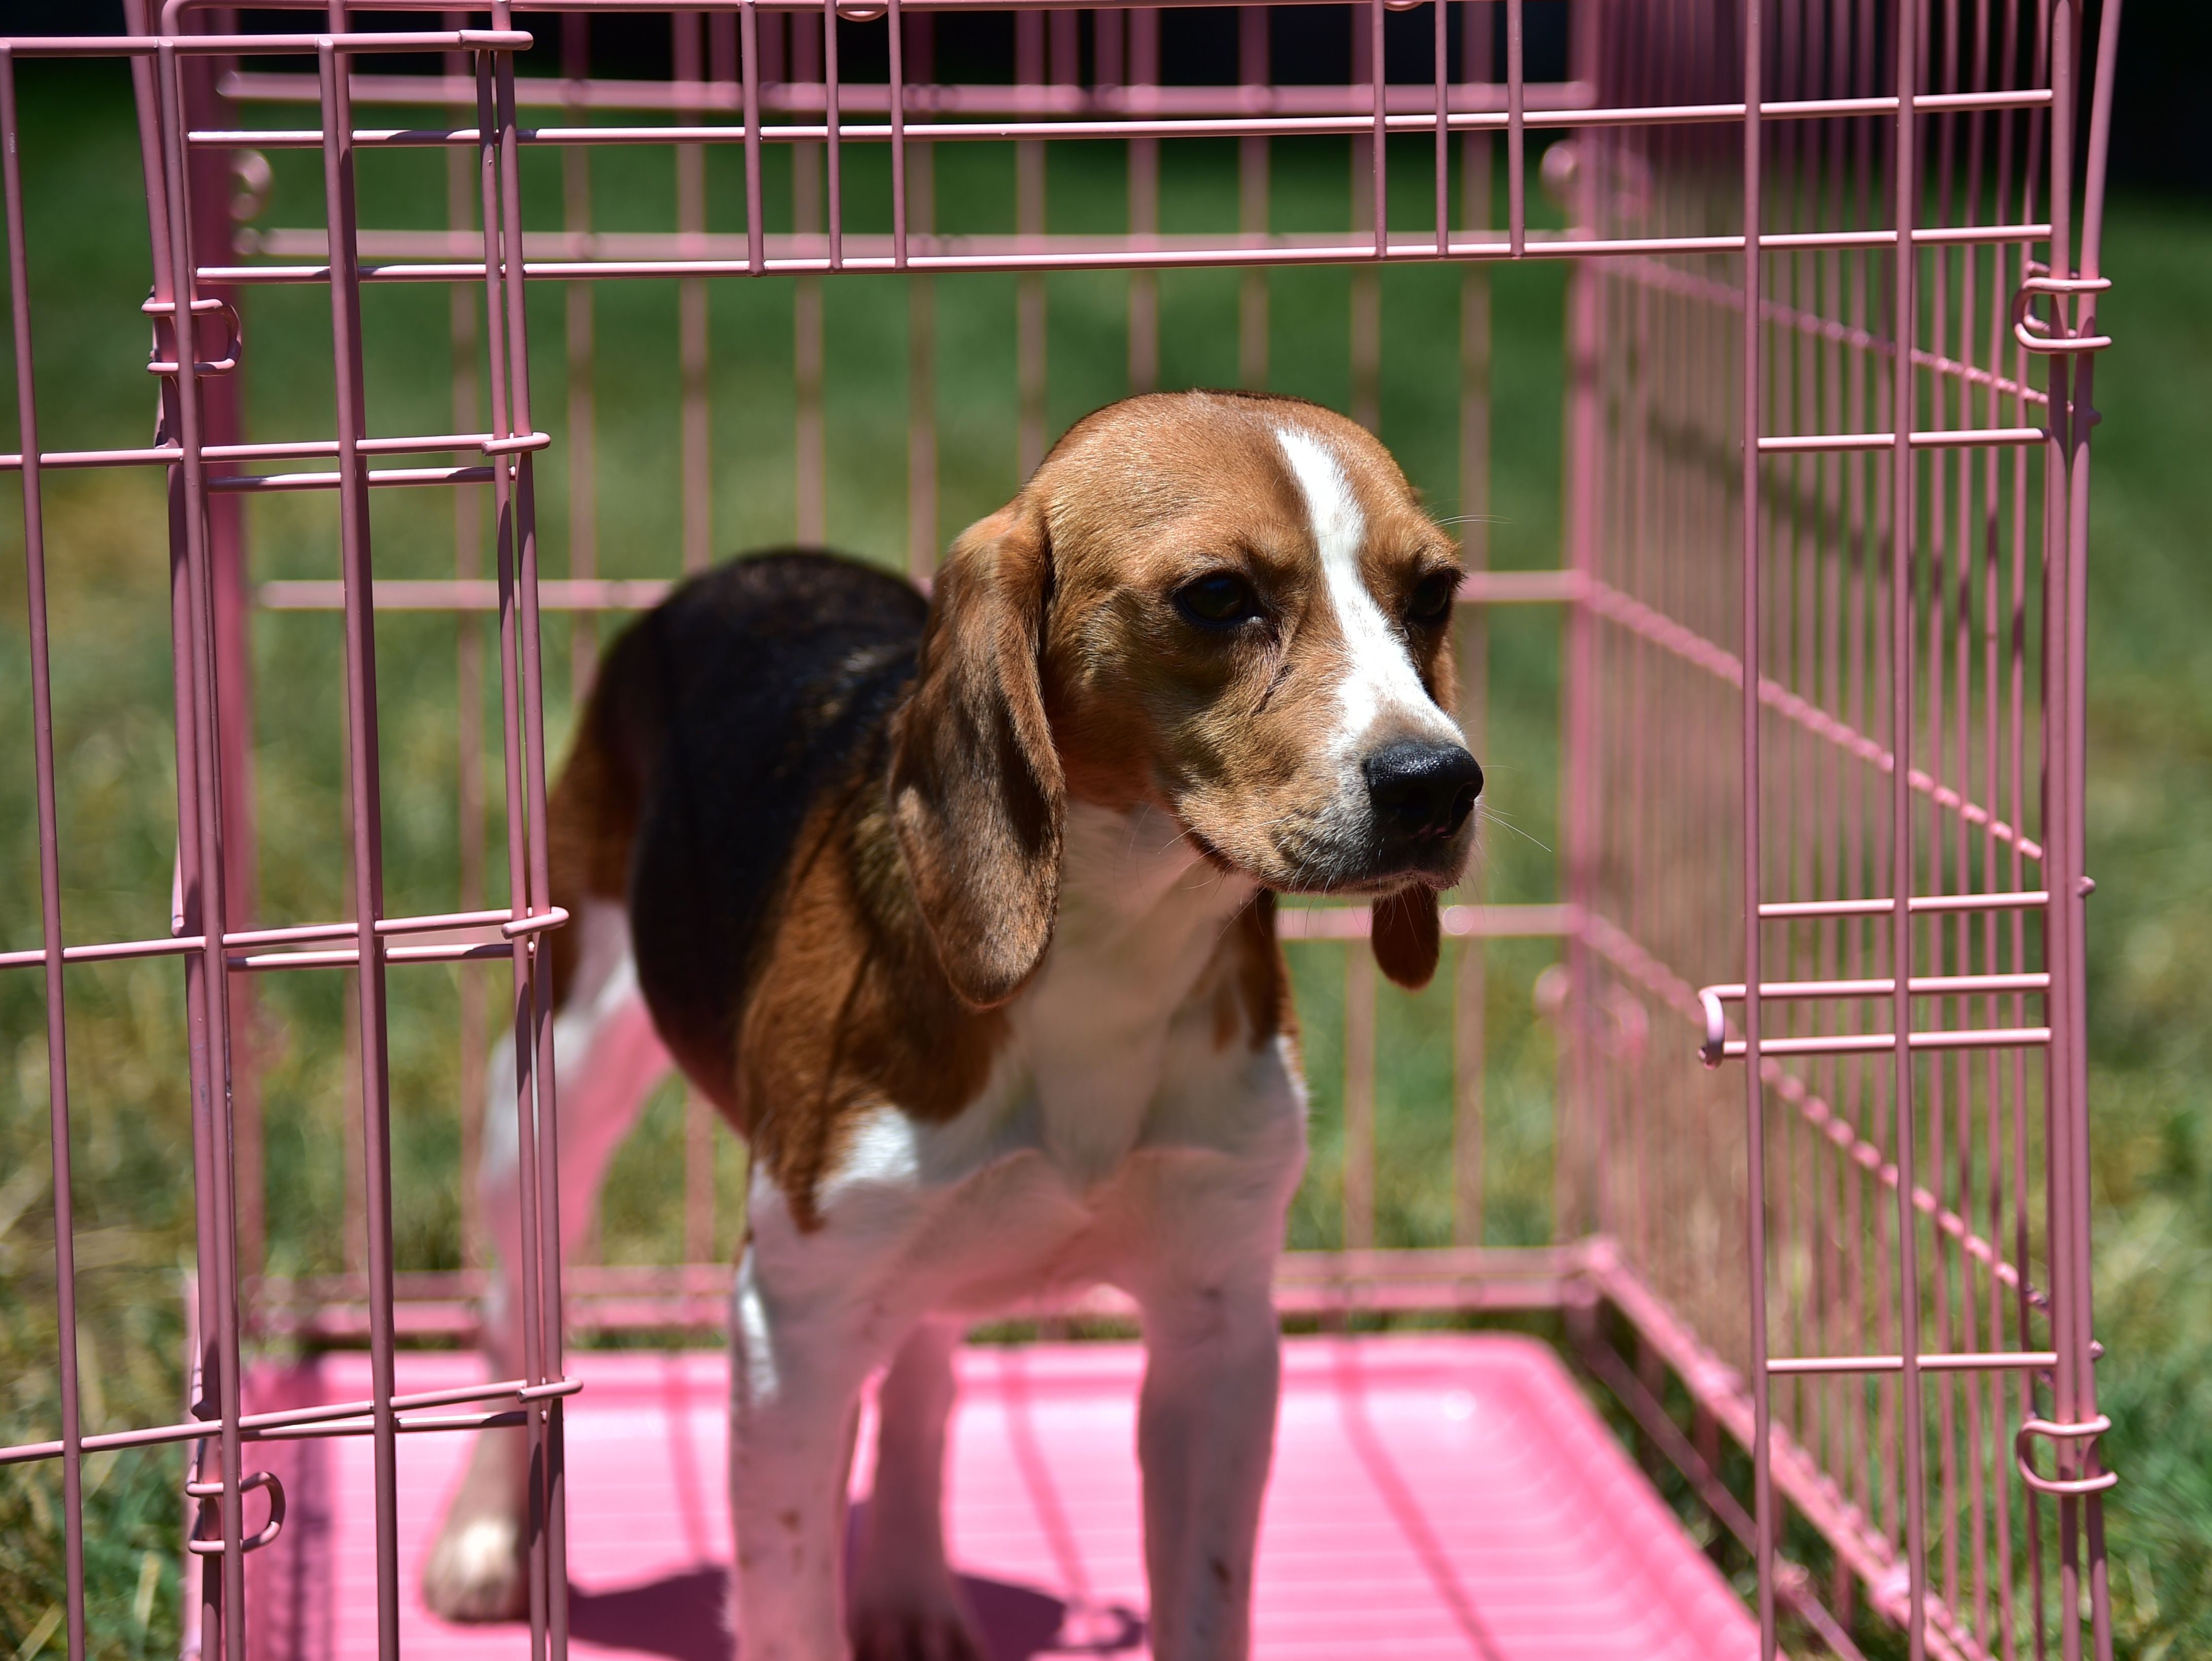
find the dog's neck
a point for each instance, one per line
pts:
(1142, 916)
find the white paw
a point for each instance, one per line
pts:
(477, 1570)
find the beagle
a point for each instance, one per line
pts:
(963, 912)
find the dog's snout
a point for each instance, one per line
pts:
(1421, 789)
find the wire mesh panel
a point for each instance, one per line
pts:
(1861, 415)
(1828, 340)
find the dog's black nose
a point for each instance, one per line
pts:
(1422, 789)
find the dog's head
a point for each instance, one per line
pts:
(1230, 608)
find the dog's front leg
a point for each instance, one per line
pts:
(796, 1368)
(1205, 1429)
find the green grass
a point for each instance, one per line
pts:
(2151, 695)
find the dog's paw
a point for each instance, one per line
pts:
(478, 1570)
(916, 1629)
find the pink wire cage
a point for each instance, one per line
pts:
(1831, 338)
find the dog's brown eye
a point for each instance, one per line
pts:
(1431, 601)
(1221, 599)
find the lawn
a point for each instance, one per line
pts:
(2151, 711)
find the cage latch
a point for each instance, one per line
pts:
(2034, 332)
(213, 1548)
(233, 342)
(2024, 1456)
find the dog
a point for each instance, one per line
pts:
(962, 912)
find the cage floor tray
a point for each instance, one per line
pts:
(1433, 1496)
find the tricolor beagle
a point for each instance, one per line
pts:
(963, 912)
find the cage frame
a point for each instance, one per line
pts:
(181, 97)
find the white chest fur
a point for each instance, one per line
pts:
(1111, 1096)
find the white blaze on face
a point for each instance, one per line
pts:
(1379, 679)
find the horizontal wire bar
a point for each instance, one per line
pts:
(1093, 253)
(299, 934)
(166, 454)
(643, 593)
(1952, 439)
(2028, 899)
(464, 594)
(990, 98)
(1848, 1044)
(240, 483)
(233, 45)
(1991, 1361)
(1931, 986)
(251, 1424)
(1418, 117)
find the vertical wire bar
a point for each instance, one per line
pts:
(553, 1414)
(1992, 1391)
(1582, 839)
(900, 184)
(1358, 1098)
(368, 897)
(1517, 206)
(1252, 72)
(829, 120)
(500, 272)
(2018, 718)
(692, 71)
(812, 461)
(201, 863)
(1443, 53)
(915, 171)
(221, 421)
(201, 1590)
(691, 304)
(1144, 201)
(1470, 991)
(1998, 651)
(1366, 341)
(50, 879)
(749, 42)
(1749, 603)
(576, 299)
(2065, 602)
(1904, 302)
(1029, 71)
(2079, 1349)
(468, 559)
(1378, 158)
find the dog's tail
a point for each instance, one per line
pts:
(593, 811)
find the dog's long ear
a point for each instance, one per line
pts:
(1406, 934)
(977, 792)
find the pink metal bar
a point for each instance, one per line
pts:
(1068, 253)
(298, 46)
(71, 1446)
(200, 868)
(1752, 623)
(1839, 1044)
(1974, 1362)
(469, 594)
(1951, 438)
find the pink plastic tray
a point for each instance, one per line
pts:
(1447, 1496)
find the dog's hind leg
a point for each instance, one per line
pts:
(606, 1059)
(906, 1605)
